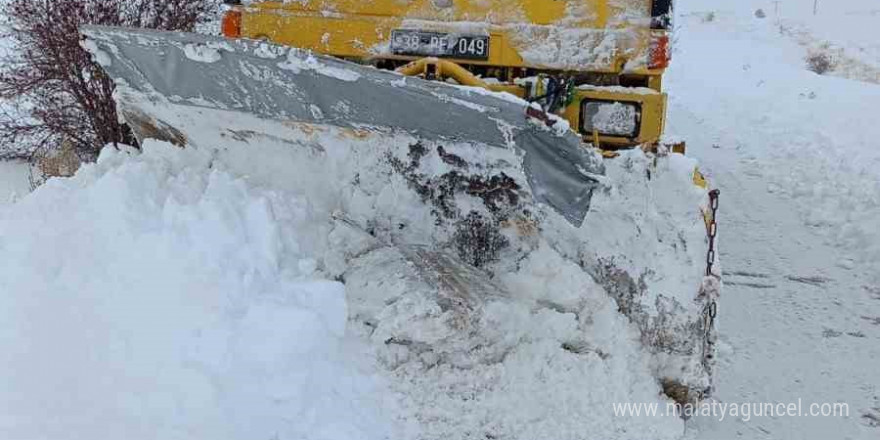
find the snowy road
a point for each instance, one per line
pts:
(793, 325)
(800, 316)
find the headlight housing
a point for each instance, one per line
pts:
(611, 118)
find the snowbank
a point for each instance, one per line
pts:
(152, 296)
(192, 294)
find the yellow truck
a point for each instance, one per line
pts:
(597, 63)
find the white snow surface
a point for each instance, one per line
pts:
(796, 157)
(819, 129)
(152, 296)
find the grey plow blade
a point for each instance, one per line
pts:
(275, 82)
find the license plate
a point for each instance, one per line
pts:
(437, 44)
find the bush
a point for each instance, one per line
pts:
(55, 94)
(760, 13)
(820, 62)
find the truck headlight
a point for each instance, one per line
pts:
(611, 118)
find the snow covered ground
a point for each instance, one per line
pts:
(797, 157)
(749, 83)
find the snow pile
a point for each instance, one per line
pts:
(547, 361)
(284, 279)
(156, 296)
(192, 293)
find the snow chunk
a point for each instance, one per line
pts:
(296, 63)
(202, 53)
(269, 51)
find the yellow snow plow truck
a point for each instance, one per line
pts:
(596, 63)
(452, 186)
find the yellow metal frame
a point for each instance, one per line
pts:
(653, 115)
(353, 29)
(442, 69)
(652, 105)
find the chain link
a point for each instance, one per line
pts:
(710, 312)
(712, 230)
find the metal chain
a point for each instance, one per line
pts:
(710, 312)
(712, 230)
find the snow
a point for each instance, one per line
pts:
(216, 292)
(298, 61)
(195, 293)
(151, 296)
(14, 180)
(446, 98)
(795, 156)
(200, 53)
(269, 51)
(615, 118)
(819, 127)
(565, 44)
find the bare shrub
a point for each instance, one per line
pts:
(820, 62)
(55, 94)
(760, 13)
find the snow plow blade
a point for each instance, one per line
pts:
(291, 85)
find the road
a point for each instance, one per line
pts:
(800, 315)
